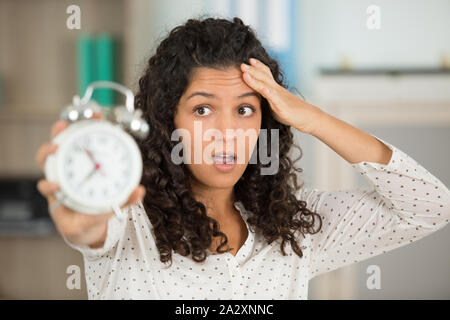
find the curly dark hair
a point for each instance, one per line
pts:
(180, 222)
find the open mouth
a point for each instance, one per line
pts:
(221, 158)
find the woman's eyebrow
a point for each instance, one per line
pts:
(210, 95)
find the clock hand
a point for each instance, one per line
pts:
(89, 153)
(96, 164)
(98, 167)
(87, 177)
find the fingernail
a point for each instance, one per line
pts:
(246, 67)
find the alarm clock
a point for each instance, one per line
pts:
(97, 163)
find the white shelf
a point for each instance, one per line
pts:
(427, 88)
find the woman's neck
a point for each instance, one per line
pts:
(219, 202)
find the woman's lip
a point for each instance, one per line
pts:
(221, 165)
(224, 166)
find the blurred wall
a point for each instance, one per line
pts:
(412, 33)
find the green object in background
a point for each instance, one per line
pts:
(85, 62)
(105, 62)
(96, 59)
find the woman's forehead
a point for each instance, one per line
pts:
(217, 80)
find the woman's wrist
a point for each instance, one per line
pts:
(318, 117)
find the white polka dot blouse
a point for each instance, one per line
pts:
(405, 204)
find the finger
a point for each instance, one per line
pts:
(257, 73)
(137, 195)
(44, 150)
(267, 92)
(261, 66)
(47, 189)
(97, 115)
(256, 84)
(56, 211)
(59, 126)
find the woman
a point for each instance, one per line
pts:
(221, 231)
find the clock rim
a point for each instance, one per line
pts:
(70, 198)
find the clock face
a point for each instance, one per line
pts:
(99, 165)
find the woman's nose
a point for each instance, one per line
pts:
(225, 122)
(226, 125)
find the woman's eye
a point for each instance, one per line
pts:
(246, 110)
(202, 111)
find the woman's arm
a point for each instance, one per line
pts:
(351, 143)
(405, 204)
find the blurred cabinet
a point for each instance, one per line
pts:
(38, 77)
(36, 268)
(39, 72)
(20, 137)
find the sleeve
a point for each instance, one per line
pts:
(115, 230)
(404, 204)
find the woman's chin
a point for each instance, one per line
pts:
(220, 179)
(218, 175)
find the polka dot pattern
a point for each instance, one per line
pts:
(406, 203)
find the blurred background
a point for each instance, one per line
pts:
(383, 66)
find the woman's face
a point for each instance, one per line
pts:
(218, 104)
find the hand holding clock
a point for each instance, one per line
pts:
(77, 227)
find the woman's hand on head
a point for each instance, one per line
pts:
(286, 107)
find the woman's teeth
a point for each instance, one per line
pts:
(224, 159)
